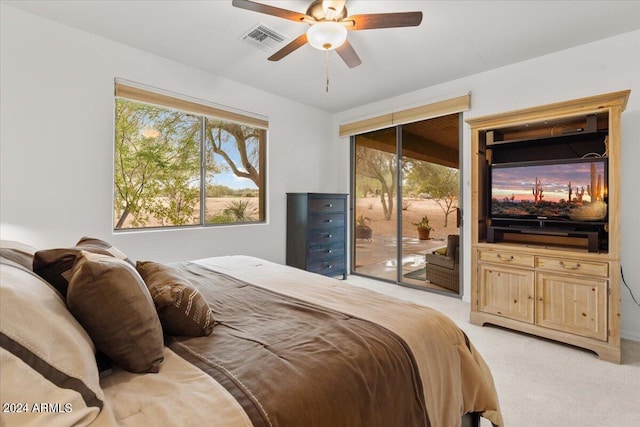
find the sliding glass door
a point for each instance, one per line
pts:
(375, 184)
(405, 194)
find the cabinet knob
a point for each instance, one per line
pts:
(329, 220)
(329, 251)
(330, 266)
(329, 236)
(330, 205)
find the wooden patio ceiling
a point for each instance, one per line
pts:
(434, 140)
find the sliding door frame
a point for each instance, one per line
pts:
(399, 227)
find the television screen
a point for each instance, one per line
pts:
(558, 190)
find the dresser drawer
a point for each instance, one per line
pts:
(327, 205)
(322, 252)
(323, 221)
(506, 258)
(326, 236)
(327, 267)
(569, 265)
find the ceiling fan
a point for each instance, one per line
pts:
(329, 24)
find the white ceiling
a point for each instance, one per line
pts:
(455, 39)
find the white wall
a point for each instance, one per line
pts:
(57, 143)
(604, 66)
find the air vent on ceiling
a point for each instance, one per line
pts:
(263, 37)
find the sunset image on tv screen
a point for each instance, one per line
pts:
(551, 190)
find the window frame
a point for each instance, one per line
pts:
(204, 111)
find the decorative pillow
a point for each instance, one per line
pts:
(109, 298)
(181, 307)
(18, 252)
(441, 251)
(45, 355)
(54, 265)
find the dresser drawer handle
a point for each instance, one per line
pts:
(505, 258)
(329, 220)
(570, 267)
(329, 266)
(330, 205)
(329, 251)
(329, 236)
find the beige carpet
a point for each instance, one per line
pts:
(542, 383)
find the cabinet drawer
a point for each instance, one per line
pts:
(568, 265)
(322, 221)
(322, 252)
(506, 258)
(326, 236)
(327, 267)
(327, 205)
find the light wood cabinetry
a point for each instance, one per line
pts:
(574, 304)
(560, 293)
(551, 284)
(506, 291)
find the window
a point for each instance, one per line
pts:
(182, 163)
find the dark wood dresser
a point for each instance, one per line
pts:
(316, 232)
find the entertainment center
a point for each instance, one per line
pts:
(545, 223)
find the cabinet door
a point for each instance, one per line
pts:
(572, 304)
(506, 292)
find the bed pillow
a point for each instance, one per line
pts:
(112, 303)
(17, 252)
(54, 265)
(45, 355)
(181, 307)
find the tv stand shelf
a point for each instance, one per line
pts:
(496, 234)
(558, 280)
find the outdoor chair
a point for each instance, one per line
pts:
(443, 269)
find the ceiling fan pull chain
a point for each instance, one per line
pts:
(327, 88)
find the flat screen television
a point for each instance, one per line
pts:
(573, 190)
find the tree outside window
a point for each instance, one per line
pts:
(165, 157)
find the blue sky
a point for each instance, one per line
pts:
(228, 178)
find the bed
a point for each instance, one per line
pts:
(263, 345)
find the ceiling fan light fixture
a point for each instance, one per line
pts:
(326, 35)
(332, 8)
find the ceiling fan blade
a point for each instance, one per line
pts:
(300, 41)
(384, 20)
(349, 55)
(270, 10)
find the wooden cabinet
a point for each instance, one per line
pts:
(316, 232)
(506, 291)
(557, 285)
(573, 304)
(565, 294)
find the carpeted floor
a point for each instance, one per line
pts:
(542, 383)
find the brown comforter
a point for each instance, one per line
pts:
(445, 370)
(293, 363)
